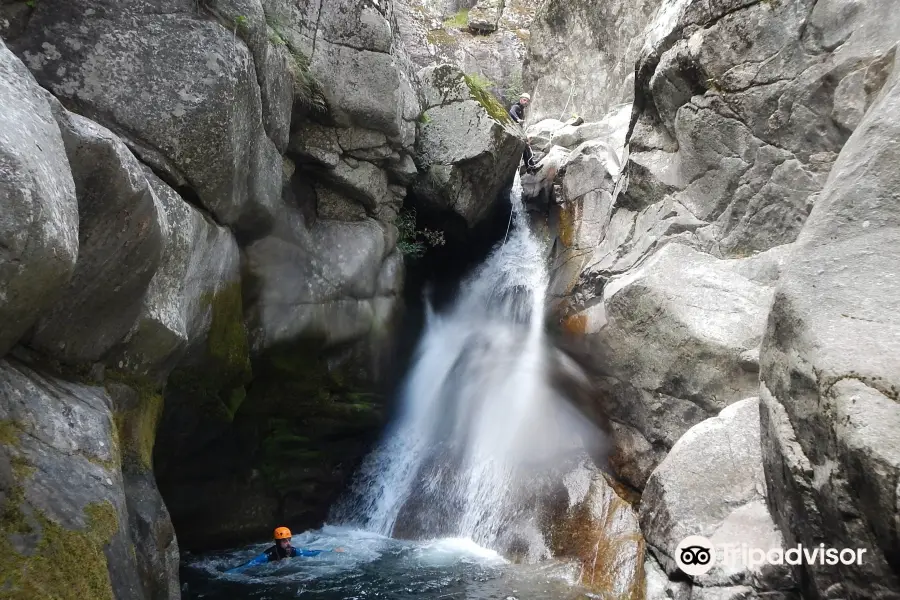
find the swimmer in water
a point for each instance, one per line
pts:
(281, 550)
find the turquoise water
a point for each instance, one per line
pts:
(374, 566)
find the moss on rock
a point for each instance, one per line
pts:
(439, 37)
(227, 341)
(66, 564)
(217, 382)
(136, 426)
(9, 433)
(486, 99)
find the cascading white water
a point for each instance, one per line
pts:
(479, 421)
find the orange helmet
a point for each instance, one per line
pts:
(282, 533)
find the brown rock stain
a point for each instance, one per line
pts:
(602, 534)
(575, 324)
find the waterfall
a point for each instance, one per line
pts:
(479, 423)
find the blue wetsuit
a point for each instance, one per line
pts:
(274, 554)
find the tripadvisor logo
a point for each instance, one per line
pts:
(696, 555)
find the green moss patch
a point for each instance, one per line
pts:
(439, 37)
(9, 433)
(217, 383)
(136, 427)
(228, 344)
(458, 21)
(479, 92)
(307, 90)
(66, 564)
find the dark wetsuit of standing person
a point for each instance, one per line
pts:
(517, 110)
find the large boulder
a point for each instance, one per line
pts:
(38, 208)
(336, 281)
(830, 365)
(352, 51)
(180, 88)
(711, 484)
(741, 109)
(468, 147)
(200, 260)
(581, 56)
(676, 339)
(485, 16)
(120, 245)
(66, 531)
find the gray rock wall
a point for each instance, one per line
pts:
(492, 47)
(757, 182)
(581, 56)
(65, 529)
(742, 110)
(829, 367)
(180, 88)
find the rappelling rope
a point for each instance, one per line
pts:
(511, 207)
(507, 225)
(569, 99)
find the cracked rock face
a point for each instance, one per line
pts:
(489, 40)
(741, 110)
(756, 182)
(830, 367)
(364, 73)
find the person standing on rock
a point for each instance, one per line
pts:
(517, 110)
(282, 549)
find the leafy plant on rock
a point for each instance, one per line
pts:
(413, 242)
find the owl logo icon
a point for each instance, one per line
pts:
(695, 555)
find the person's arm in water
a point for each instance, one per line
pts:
(264, 558)
(307, 552)
(259, 560)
